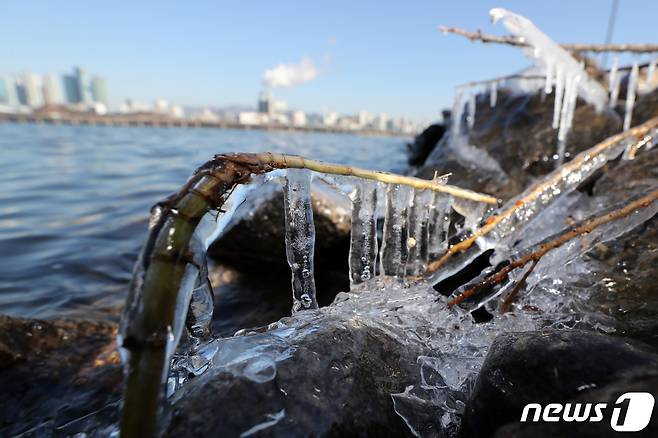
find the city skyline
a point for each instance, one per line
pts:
(344, 57)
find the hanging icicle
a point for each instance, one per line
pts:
(363, 239)
(418, 240)
(630, 95)
(394, 252)
(470, 117)
(493, 94)
(300, 237)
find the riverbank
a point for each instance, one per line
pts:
(163, 121)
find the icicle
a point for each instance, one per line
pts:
(614, 72)
(439, 223)
(457, 111)
(471, 210)
(614, 93)
(363, 240)
(300, 237)
(550, 67)
(394, 254)
(493, 94)
(559, 93)
(566, 117)
(545, 51)
(418, 240)
(630, 95)
(470, 118)
(648, 82)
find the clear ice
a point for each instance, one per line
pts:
(571, 78)
(300, 237)
(418, 239)
(363, 236)
(394, 251)
(630, 95)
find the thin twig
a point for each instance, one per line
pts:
(539, 188)
(515, 41)
(282, 161)
(587, 227)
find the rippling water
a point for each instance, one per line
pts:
(74, 202)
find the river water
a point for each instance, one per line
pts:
(74, 202)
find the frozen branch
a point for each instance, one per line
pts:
(514, 41)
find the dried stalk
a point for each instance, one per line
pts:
(515, 41)
(587, 227)
(539, 188)
(151, 312)
(281, 161)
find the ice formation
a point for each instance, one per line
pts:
(630, 95)
(571, 79)
(363, 238)
(493, 94)
(651, 71)
(300, 237)
(394, 251)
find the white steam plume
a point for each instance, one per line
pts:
(290, 75)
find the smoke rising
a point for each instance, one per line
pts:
(290, 75)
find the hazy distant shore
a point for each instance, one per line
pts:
(154, 120)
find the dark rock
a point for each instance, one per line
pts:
(544, 367)
(424, 143)
(53, 373)
(518, 135)
(337, 382)
(642, 379)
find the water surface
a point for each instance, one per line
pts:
(74, 202)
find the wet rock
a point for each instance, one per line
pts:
(544, 367)
(642, 379)
(53, 373)
(424, 143)
(517, 135)
(337, 382)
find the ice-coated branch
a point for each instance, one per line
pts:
(516, 41)
(584, 163)
(282, 161)
(584, 228)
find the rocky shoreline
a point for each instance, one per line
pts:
(64, 377)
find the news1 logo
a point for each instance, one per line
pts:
(630, 413)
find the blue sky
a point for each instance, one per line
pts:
(380, 56)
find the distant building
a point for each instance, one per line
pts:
(265, 102)
(84, 85)
(253, 118)
(8, 91)
(71, 89)
(99, 90)
(28, 90)
(330, 119)
(364, 119)
(298, 118)
(51, 94)
(381, 122)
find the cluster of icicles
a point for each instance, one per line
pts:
(415, 230)
(564, 76)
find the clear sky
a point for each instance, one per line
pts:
(380, 56)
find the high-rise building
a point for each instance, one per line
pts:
(8, 91)
(28, 90)
(98, 90)
(51, 94)
(265, 103)
(84, 84)
(71, 89)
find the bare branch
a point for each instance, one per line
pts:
(587, 227)
(534, 192)
(514, 41)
